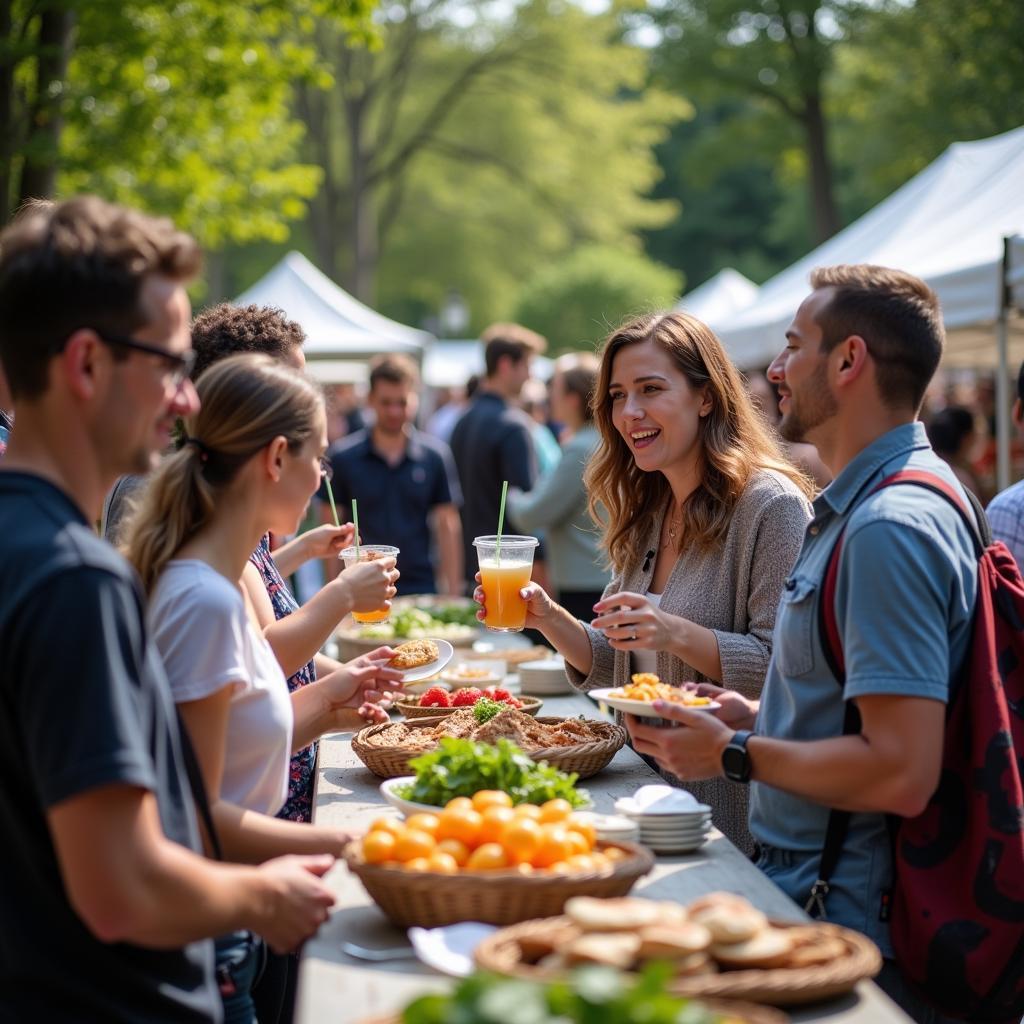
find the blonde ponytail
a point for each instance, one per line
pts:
(247, 401)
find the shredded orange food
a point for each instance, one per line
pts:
(646, 686)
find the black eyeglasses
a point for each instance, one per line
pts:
(178, 366)
(326, 469)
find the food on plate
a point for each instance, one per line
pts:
(462, 767)
(509, 724)
(496, 697)
(813, 946)
(465, 673)
(727, 917)
(414, 654)
(648, 687)
(768, 948)
(488, 835)
(690, 937)
(613, 950)
(612, 915)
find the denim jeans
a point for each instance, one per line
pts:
(239, 959)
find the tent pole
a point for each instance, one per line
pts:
(1003, 375)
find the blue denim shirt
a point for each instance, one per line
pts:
(904, 605)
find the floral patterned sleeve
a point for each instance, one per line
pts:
(299, 805)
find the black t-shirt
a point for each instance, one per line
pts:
(491, 443)
(395, 501)
(83, 703)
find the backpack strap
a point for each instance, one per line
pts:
(198, 787)
(832, 645)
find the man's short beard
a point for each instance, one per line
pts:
(819, 405)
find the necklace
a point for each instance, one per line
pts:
(675, 525)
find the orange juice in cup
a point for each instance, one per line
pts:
(504, 571)
(369, 553)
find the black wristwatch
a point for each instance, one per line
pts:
(735, 759)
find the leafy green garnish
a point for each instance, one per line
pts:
(485, 709)
(593, 995)
(461, 767)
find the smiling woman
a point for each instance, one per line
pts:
(701, 518)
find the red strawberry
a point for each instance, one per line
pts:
(466, 697)
(502, 695)
(435, 697)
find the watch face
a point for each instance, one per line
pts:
(735, 761)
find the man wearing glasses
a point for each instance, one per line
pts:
(107, 901)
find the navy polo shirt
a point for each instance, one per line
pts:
(395, 501)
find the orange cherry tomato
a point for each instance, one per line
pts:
(462, 802)
(521, 839)
(456, 849)
(423, 822)
(378, 846)
(413, 844)
(392, 825)
(485, 798)
(494, 820)
(443, 862)
(460, 823)
(555, 810)
(527, 811)
(554, 846)
(488, 857)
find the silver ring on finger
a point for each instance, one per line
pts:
(634, 636)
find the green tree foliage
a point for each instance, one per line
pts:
(477, 145)
(575, 302)
(919, 77)
(182, 108)
(774, 54)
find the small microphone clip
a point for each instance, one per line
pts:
(647, 561)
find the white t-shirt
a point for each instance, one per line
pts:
(647, 661)
(207, 641)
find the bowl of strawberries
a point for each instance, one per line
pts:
(438, 701)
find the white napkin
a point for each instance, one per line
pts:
(450, 949)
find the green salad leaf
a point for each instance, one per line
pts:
(485, 709)
(592, 995)
(461, 767)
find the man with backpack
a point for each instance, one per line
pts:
(875, 638)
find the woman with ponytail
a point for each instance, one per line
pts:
(250, 462)
(701, 518)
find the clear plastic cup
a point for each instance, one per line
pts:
(369, 553)
(502, 574)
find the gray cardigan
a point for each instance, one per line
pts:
(557, 506)
(732, 590)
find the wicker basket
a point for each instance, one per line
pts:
(431, 899)
(780, 986)
(531, 705)
(585, 759)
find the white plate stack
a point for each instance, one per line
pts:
(612, 828)
(670, 820)
(544, 678)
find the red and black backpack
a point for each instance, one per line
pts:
(957, 905)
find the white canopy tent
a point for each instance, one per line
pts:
(339, 329)
(720, 297)
(947, 226)
(449, 363)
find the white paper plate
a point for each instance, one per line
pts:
(450, 949)
(641, 708)
(669, 848)
(445, 652)
(407, 807)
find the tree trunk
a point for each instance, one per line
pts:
(322, 217)
(42, 151)
(361, 277)
(8, 117)
(824, 214)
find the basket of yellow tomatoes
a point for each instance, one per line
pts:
(481, 859)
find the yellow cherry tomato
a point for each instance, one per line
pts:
(423, 822)
(555, 810)
(458, 850)
(413, 844)
(485, 798)
(378, 846)
(493, 822)
(488, 857)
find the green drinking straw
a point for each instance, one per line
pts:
(501, 520)
(330, 494)
(355, 523)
